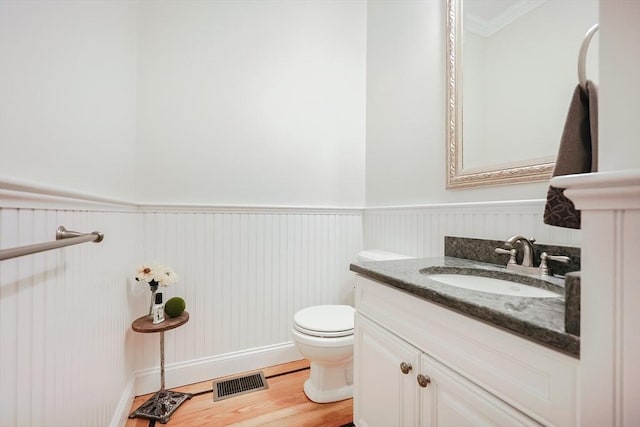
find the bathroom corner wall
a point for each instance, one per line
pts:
(67, 122)
(222, 103)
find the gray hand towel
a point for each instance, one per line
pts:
(578, 153)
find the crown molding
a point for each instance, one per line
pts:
(488, 27)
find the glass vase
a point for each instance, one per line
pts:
(154, 291)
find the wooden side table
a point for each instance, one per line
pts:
(164, 402)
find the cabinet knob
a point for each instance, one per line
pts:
(423, 380)
(405, 367)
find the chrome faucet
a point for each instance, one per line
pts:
(527, 248)
(527, 266)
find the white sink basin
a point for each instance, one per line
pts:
(491, 285)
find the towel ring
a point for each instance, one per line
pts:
(582, 58)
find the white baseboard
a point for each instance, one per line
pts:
(193, 371)
(121, 414)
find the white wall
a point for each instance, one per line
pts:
(619, 130)
(225, 102)
(67, 94)
(405, 101)
(251, 102)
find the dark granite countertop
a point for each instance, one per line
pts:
(541, 320)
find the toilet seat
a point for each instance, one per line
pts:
(325, 321)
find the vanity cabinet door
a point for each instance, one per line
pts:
(384, 395)
(450, 400)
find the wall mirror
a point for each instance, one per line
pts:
(511, 69)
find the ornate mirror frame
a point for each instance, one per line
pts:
(457, 177)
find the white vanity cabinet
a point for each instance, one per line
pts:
(472, 374)
(398, 385)
(384, 395)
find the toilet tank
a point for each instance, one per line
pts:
(379, 255)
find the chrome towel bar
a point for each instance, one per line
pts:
(64, 237)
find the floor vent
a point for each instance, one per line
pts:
(239, 385)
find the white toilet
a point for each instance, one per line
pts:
(323, 334)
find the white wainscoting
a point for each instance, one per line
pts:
(244, 274)
(67, 352)
(419, 231)
(64, 318)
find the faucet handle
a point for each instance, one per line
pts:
(558, 258)
(512, 254)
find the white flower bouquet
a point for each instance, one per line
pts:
(156, 275)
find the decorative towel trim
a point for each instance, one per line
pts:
(560, 211)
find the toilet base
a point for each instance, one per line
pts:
(320, 396)
(329, 383)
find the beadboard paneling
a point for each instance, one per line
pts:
(244, 274)
(419, 231)
(64, 318)
(67, 353)
(66, 348)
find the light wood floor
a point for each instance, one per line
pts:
(283, 404)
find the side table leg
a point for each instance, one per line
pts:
(161, 360)
(164, 402)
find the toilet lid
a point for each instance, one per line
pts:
(325, 320)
